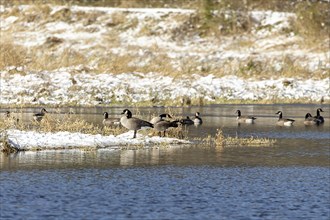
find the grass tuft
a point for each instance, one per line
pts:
(221, 141)
(4, 144)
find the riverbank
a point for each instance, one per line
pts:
(64, 88)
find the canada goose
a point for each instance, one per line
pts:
(164, 125)
(245, 119)
(197, 120)
(132, 123)
(110, 121)
(159, 118)
(283, 121)
(310, 120)
(186, 121)
(318, 115)
(40, 115)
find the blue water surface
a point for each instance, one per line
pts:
(167, 192)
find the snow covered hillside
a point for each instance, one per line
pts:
(97, 55)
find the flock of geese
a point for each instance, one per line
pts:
(160, 124)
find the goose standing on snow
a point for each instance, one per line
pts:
(310, 120)
(245, 119)
(108, 122)
(198, 120)
(164, 125)
(318, 115)
(132, 123)
(283, 121)
(159, 118)
(38, 116)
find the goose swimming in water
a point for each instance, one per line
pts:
(198, 120)
(283, 121)
(245, 119)
(310, 120)
(186, 121)
(318, 115)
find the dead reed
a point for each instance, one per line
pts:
(219, 140)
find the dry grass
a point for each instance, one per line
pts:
(221, 141)
(4, 144)
(73, 123)
(11, 54)
(58, 122)
(313, 20)
(251, 142)
(50, 61)
(312, 24)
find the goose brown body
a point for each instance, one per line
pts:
(310, 120)
(39, 116)
(132, 123)
(283, 121)
(159, 118)
(186, 121)
(108, 122)
(244, 119)
(164, 125)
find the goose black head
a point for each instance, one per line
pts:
(106, 115)
(278, 113)
(127, 112)
(308, 115)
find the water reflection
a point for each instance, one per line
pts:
(311, 155)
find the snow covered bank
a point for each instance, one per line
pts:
(64, 88)
(32, 140)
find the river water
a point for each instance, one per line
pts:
(288, 180)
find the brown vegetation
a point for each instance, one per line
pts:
(312, 24)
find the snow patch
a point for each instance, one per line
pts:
(62, 87)
(32, 140)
